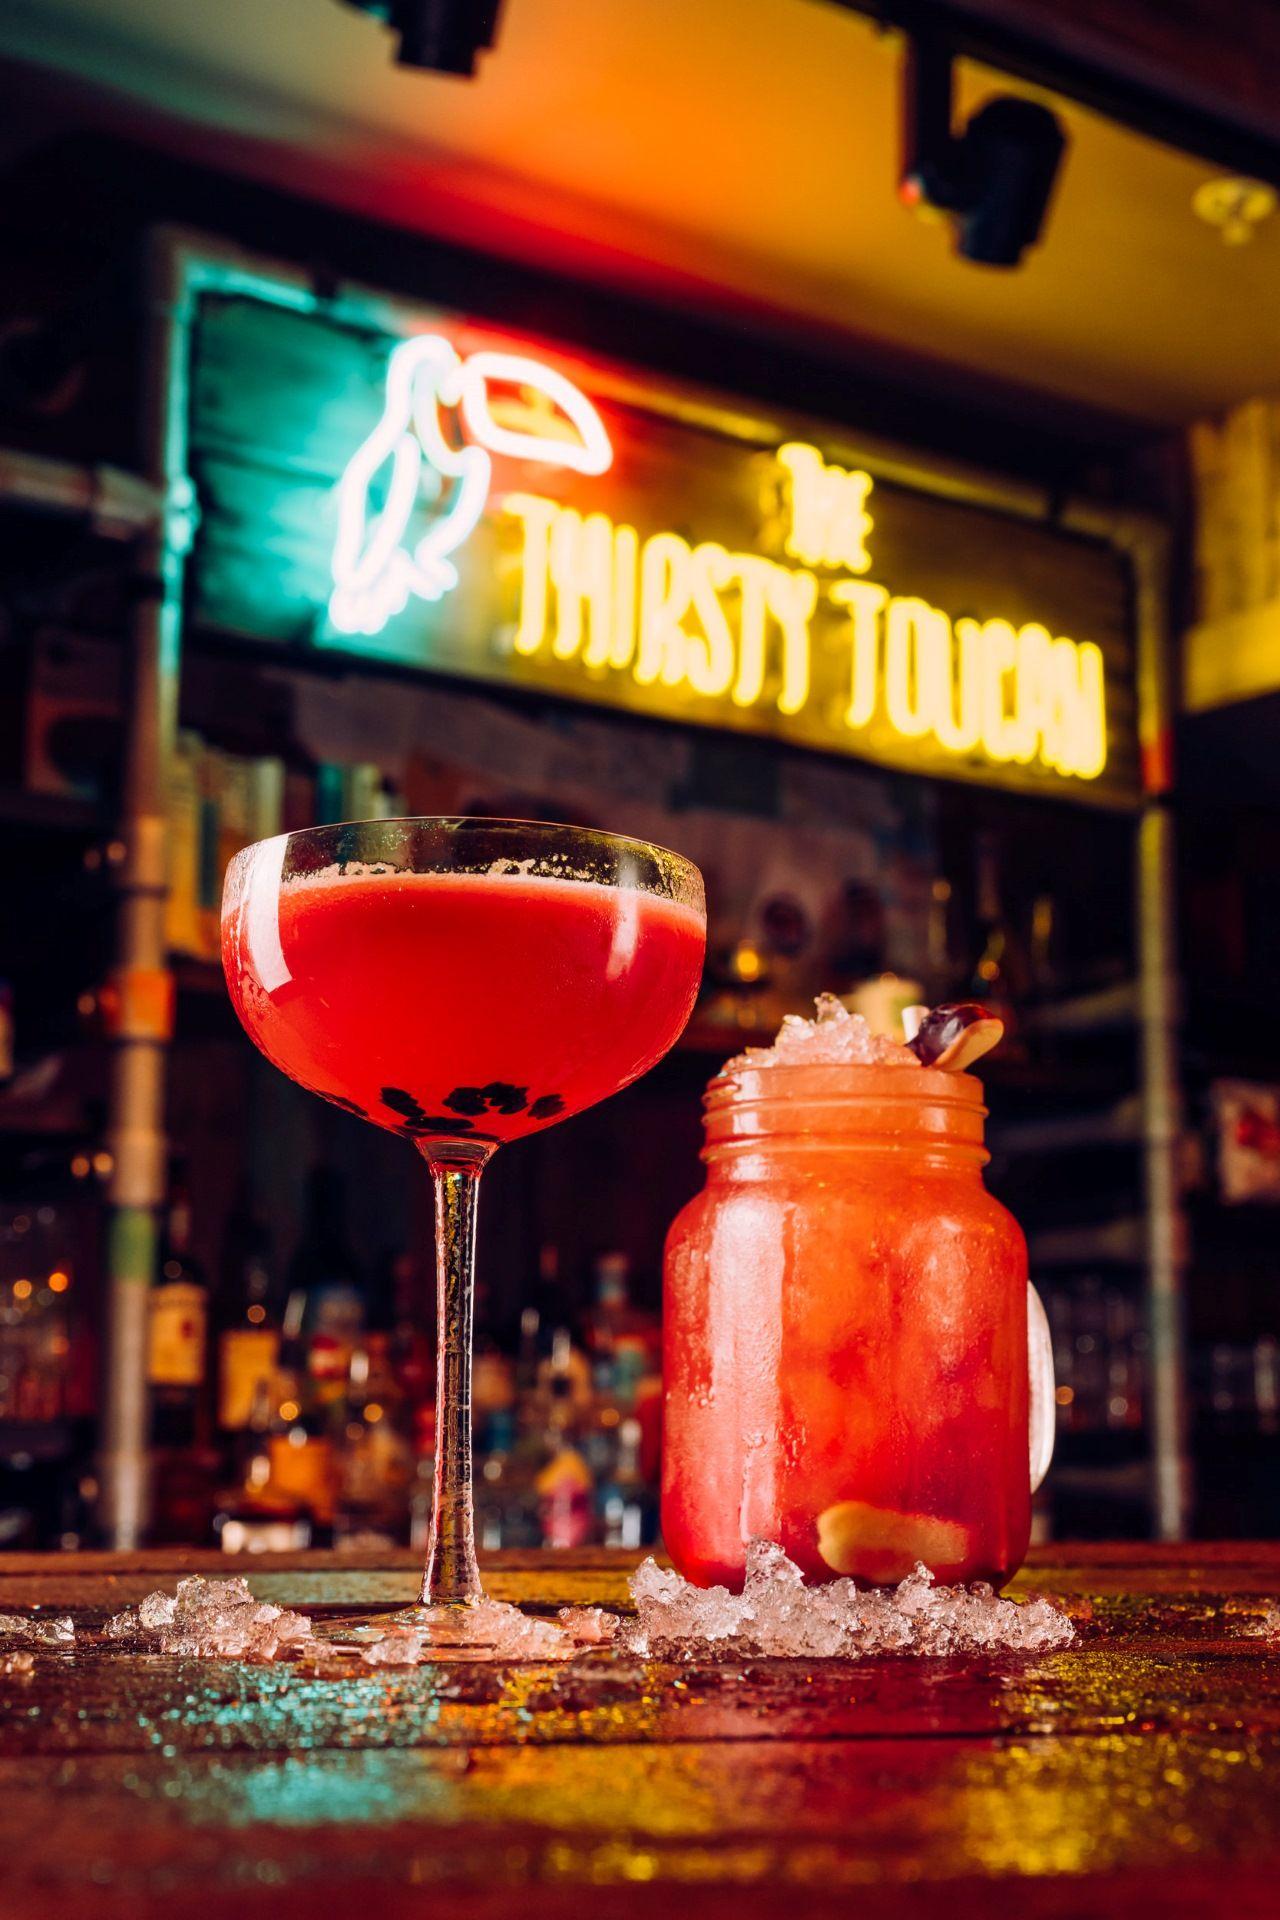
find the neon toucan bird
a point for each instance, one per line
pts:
(374, 571)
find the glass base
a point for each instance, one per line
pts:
(455, 1631)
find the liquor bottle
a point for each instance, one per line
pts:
(624, 1506)
(249, 1343)
(550, 1298)
(412, 1354)
(497, 1524)
(610, 1316)
(563, 1484)
(422, 1490)
(255, 1515)
(999, 978)
(375, 1464)
(615, 1327)
(325, 1269)
(527, 1356)
(493, 1387)
(600, 1433)
(178, 1319)
(564, 1374)
(1045, 968)
(324, 1262)
(184, 1466)
(300, 1445)
(941, 982)
(509, 1475)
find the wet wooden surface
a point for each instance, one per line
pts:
(1137, 1772)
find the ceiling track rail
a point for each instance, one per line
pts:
(1092, 81)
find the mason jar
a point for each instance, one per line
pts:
(846, 1334)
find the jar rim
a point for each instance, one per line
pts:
(846, 1081)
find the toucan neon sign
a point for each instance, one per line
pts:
(670, 613)
(374, 573)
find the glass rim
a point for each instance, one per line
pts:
(685, 869)
(490, 820)
(844, 1082)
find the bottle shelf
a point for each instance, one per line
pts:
(1103, 1011)
(1119, 1242)
(1120, 1125)
(66, 813)
(1114, 1480)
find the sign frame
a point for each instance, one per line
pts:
(208, 269)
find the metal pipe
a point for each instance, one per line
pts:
(1166, 1229)
(1146, 541)
(1159, 1002)
(142, 996)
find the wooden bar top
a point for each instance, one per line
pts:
(1137, 1772)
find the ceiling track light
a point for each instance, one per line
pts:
(439, 36)
(993, 178)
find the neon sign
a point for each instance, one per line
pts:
(740, 626)
(374, 573)
(673, 613)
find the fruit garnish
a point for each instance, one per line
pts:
(952, 1037)
(879, 1544)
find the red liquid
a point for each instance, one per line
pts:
(845, 1335)
(461, 1004)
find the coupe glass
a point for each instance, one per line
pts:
(463, 983)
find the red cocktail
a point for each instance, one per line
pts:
(463, 1004)
(461, 982)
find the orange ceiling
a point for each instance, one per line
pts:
(748, 146)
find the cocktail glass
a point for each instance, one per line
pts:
(461, 982)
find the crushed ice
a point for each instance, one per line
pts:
(212, 1620)
(1264, 1626)
(505, 1633)
(37, 1629)
(833, 1038)
(777, 1614)
(222, 1620)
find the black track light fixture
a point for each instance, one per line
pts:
(993, 178)
(441, 36)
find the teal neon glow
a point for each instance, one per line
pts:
(374, 572)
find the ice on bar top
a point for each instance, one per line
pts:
(776, 1614)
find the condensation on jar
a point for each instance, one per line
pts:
(845, 1333)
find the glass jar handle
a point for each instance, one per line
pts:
(1043, 1409)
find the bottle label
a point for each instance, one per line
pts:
(304, 1471)
(246, 1355)
(176, 1335)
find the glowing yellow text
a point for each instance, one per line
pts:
(743, 628)
(725, 625)
(1010, 694)
(830, 519)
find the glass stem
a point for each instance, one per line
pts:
(452, 1578)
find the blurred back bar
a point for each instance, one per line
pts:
(358, 515)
